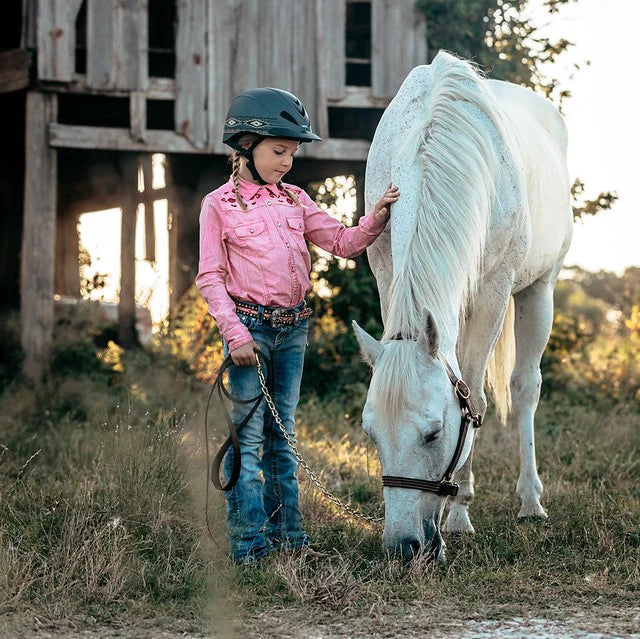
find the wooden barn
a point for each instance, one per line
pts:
(91, 89)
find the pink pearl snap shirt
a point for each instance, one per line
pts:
(260, 255)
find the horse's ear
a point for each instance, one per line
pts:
(370, 348)
(429, 339)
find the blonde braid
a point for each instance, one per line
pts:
(235, 156)
(291, 194)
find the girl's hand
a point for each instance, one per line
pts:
(244, 355)
(382, 210)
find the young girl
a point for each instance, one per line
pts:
(254, 275)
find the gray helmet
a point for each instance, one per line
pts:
(267, 112)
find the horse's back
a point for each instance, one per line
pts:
(542, 140)
(516, 99)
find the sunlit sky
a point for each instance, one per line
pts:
(602, 118)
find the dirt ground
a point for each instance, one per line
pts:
(290, 624)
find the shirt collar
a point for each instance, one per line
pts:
(249, 189)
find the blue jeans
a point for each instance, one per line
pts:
(263, 512)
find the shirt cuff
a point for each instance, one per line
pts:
(369, 225)
(240, 337)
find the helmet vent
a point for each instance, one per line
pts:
(288, 116)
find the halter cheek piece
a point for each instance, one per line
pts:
(468, 415)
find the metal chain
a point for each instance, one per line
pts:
(312, 476)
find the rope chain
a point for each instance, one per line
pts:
(310, 474)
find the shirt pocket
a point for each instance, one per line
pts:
(296, 228)
(250, 238)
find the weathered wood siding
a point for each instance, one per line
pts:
(191, 72)
(331, 34)
(398, 43)
(257, 43)
(117, 44)
(57, 38)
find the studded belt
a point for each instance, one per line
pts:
(274, 316)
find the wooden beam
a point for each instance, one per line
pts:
(138, 115)
(112, 139)
(14, 70)
(148, 197)
(127, 304)
(87, 137)
(38, 237)
(67, 276)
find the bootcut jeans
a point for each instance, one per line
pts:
(263, 512)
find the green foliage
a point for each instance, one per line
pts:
(583, 207)
(592, 353)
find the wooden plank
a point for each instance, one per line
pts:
(101, 43)
(38, 236)
(57, 38)
(14, 70)
(29, 36)
(191, 72)
(129, 197)
(332, 45)
(245, 52)
(275, 67)
(221, 27)
(138, 115)
(67, 271)
(86, 137)
(360, 97)
(393, 57)
(117, 44)
(133, 54)
(148, 197)
(307, 72)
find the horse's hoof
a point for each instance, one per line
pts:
(533, 512)
(458, 525)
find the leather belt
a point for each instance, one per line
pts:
(274, 316)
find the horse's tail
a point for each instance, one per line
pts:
(501, 365)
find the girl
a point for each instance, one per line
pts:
(254, 275)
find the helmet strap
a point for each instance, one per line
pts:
(248, 154)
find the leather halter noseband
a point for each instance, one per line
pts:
(468, 415)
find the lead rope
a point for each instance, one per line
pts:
(354, 512)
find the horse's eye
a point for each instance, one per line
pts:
(432, 436)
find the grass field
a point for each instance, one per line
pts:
(101, 520)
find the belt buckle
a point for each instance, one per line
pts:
(274, 317)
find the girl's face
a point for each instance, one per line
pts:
(273, 158)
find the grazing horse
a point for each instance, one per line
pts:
(465, 271)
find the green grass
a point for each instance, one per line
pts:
(101, 502)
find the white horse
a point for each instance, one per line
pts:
(465, 271)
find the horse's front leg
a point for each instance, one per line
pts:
(476, 344)
(533, 320)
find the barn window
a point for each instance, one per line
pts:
(81, 39)
(358, 44)
(162, 38)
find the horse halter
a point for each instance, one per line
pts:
(468, 415)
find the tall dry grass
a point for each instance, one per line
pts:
(101, 512)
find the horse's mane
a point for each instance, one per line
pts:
(460, 167)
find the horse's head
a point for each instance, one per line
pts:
(412, 414)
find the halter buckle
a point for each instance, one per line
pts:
(448, 488)
(462, 390)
